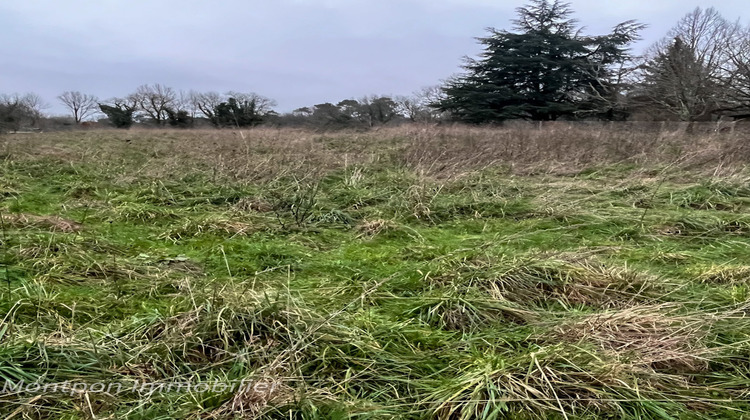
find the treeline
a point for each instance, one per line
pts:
(158, 105)
(161, 106)
(545, 69)
(20, 111)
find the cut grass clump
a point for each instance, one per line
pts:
(713, 195)
(499, 208)
(97, 268)
(267, 392)
(253, 204)
(141, 212)
(215, 225)
(465, 312)
(556, 381)
(233, 324)
(569, 283)
(728, 275)
(653, 337)
(702, 225)
(371, 228)
(52, 223)
(74, 260)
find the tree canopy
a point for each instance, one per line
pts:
(119, 112)
(546, 70)
(680, 83)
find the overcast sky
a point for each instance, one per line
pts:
(298, 52)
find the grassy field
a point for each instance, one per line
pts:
(425, 273)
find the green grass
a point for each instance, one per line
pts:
(362, 286)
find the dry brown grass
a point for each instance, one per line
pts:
(571, 282)
(370, 228)
(211, 225)
(443, 151)
(645, 336)
(566, 147)
(731, 275)
(251, 401)
(53, 223)
(253, 204)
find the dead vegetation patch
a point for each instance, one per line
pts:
(63, 270)
(704, 226)
(186, 267)
(467, 312)
(646, 336)
(668, 230)
(212, 225)
(268, 390)
(571, 282)
(729, 275)
(237, 321)
(253, 204)
(558, 378)
(77, 260)
(368, 229)
(54, 223)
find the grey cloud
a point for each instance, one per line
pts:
(299, 52)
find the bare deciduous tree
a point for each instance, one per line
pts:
(738, 66)
(263, 105)
(36, 105)
(155, 100)
(80, 104)
(417, 107)
(18, 111)
(706, 33)
(184, 102)
(685, 74)
(206, 103)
